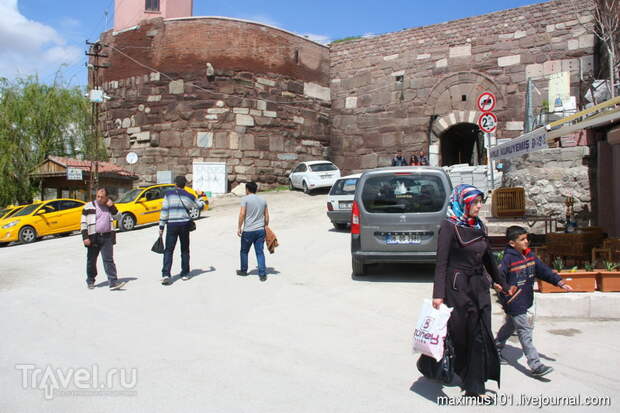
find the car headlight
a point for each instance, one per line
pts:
(10, 224)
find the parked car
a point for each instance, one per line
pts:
(312, 175)
(54, 217)
(9, 211)
(396, 215)
(142, 205)
(340, 200)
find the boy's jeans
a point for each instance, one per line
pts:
(524, 332)
(258, 239)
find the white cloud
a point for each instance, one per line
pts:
(29, 47)
(319, 38)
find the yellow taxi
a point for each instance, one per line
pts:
(56, 216)
(10, 210)
(142, 205)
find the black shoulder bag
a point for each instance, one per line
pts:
(192, 225)
(442, 370)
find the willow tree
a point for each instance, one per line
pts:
(37, 120)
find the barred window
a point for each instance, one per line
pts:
(152, 5)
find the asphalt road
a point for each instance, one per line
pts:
(310, 339)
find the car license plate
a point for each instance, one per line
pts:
(326, 176)
(402, 239)
(345, 205)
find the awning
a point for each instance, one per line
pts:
(596, 116)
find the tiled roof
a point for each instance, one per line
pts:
(104, 167)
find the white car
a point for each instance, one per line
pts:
(312, 175)
(340, 200)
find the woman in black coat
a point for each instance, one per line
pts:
(462, 252)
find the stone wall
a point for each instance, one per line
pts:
(404, 89)
(215, 90)
(551, 175)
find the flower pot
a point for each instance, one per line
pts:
(608, 281)
(581, 281)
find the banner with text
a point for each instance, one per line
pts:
(524, 144)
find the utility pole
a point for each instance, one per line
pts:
(96, 97)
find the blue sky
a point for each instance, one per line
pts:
(38, 38)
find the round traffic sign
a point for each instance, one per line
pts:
(131, 158)
(486, 102)
(488, 122)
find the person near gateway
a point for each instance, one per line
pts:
(253, 220)
(399, 160)
(520, 266)
(463, 251)
(175, 216)
(98, 237)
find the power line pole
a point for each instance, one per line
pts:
(96, 97)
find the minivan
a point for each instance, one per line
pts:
(396, 215)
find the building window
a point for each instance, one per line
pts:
(296, 56)
(152, 5)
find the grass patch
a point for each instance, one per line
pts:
(346, 39)
(277, 189)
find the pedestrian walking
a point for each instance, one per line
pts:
(253, 220)
(463, 252)
(520, 267)
(176, 218)
(98, 237)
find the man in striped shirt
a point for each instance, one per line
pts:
(175, 215)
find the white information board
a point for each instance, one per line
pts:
(74, 174)
(210, 177)
(524, 144)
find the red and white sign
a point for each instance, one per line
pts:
(488, 122)
(486, 102)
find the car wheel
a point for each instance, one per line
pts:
(306, 189)
(290, 185)
(358, 267)
(27, 235)
(128, 222)
(194, 213)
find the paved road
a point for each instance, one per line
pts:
(309, 339)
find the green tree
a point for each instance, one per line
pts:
(37, 120)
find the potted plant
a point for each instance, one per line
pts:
(609, 277)
(581, 281)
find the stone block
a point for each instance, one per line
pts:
(287, 156)
(132, 131)
(266, 82)
(423, 56)
(298, 119)
(514, 125)
(246, 142)
(211, 117)
(586, 40)
(390, 57)
(270, 114)
(222, 140)
(176, 87)
(217, 110)
(255, 112)
(509, 60)
(460, 51)
(369, 161)
(552, 66)
(142, 137)
(126, 123)
(204, 139)
(244, 120)
(276, 143)
(573, 44)
(261, 105)
(243, 111)
(350, 102)
(317, 91)
(441, 63)
(153, 98)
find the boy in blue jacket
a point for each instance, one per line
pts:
(520, 266)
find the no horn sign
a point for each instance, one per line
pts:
(488, 122)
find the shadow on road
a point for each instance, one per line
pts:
(512, 355)
(270, 271)
(406, 273)
(192, 274)
(429, 389)
(122, 279)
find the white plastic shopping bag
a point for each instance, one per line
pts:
(431, 330)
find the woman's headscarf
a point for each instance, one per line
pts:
(460, 202)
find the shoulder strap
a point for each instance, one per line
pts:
(183, 203)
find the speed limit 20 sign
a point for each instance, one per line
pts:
(486, 102)
(487, 122)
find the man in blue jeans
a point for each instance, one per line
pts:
(253, 218)
(175, 215)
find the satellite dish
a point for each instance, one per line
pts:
(131, 158)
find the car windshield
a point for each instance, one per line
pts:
(323, 167)
(129, 196)
(399, 194)
(4, 211)
(344, 187)
(27, 210)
